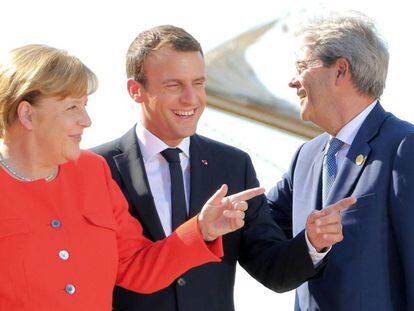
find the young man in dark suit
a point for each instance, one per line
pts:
(166, 172)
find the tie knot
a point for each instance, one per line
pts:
(334, 145)
(172, 155)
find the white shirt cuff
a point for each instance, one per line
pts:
(314, 254)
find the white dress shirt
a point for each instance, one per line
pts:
(158, 172)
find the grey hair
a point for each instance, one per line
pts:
(353, 36)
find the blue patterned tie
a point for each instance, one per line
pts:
(329, 170)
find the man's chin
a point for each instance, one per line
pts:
(303, 115)
(305, 112)
(187, 132)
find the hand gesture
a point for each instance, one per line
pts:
(221, 214)
(324, 228)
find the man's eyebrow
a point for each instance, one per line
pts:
(200, 79)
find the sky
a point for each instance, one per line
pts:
(99, 33)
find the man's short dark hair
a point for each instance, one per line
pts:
(153, 39)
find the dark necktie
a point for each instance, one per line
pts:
(178, 202)
(330, 168)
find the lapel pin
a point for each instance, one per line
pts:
(359, 160)
(204, 162)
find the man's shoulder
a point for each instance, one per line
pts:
(394, 127)
(108, 148)
(116, 146)
(216, 147)
(315, 144)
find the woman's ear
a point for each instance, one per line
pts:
(25, 114)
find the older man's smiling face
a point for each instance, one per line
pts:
(313, 86)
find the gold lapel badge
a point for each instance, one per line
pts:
(359, 160)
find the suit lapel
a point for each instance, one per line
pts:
(351, 170)
(132, 170)
(201, 164)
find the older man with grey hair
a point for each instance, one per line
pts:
(366, 152)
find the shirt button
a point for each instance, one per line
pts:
(181, 281)
(70, 289)
(55, 223)
(64, 254)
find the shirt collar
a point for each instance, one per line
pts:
(151, 145)
(348, 132)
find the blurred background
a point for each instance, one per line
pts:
(249, 61)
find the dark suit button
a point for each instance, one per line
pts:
(181, 281)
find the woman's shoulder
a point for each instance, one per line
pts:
(88, 160)
(87, 155)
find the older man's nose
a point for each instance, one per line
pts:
(294, 83)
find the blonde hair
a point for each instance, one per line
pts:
(35, 71)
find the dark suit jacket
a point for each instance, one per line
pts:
(373, 267)
(260, 247)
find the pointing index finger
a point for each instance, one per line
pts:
(247, 194)
(342, 204)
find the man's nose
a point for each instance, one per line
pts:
(188, 95)
(294, 83)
